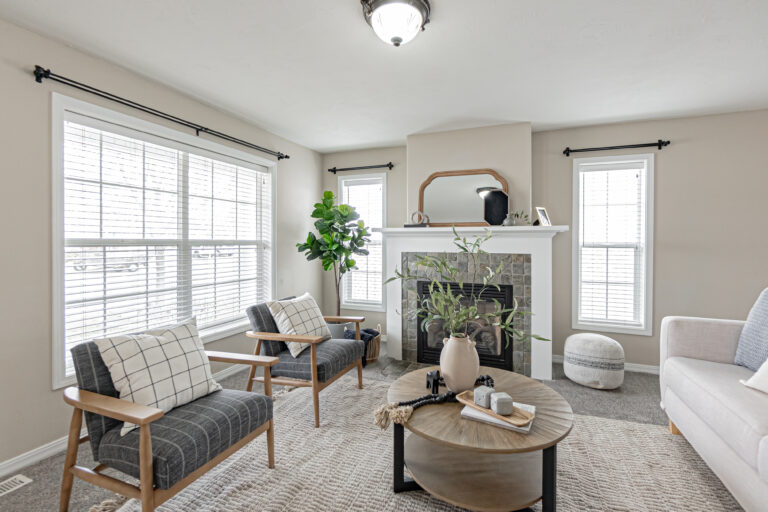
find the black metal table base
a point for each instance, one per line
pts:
(401, 483)
(548, 476)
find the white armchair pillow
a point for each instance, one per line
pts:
(300, 315)
(163, 368)
(759, 380)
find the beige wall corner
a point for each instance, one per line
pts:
(711, 215)
(34, 414)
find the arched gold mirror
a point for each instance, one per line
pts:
(453, 197)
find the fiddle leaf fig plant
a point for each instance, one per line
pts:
(340, 235)
(457, 306)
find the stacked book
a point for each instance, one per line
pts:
(471, 413)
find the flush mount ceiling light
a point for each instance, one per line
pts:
(396, 22)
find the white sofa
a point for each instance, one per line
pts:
(724, 421)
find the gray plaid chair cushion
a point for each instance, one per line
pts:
(332, 356)
(188, 436)
(262, 321)
(93, 375)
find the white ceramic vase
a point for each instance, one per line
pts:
(459, 364)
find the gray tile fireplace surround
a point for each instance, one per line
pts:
(516, 272)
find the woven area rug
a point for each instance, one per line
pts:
(603, 465)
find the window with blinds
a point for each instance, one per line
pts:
(613, 210)
(154, 231)
(362, 288)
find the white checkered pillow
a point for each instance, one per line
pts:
(162, 368)
(299, 316)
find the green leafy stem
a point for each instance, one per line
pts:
(457, 306)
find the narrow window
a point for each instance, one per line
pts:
(362, 288)
(613, 244)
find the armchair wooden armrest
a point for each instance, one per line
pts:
(276, 336)
(342, 319)
(249, 359)
(111, 407)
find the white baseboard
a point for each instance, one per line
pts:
(13, 465)
(629, 367)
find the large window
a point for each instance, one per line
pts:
(150, 230)
(613, 244)
(362, 288)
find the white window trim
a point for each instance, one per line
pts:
(60, 105)
(363, 306)
(647, 328)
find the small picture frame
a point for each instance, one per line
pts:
(543, 216)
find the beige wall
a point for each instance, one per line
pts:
(711, 215)
(396, 207)
(33, 414)
(503, 148)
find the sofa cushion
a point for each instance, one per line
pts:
(332, 356)
(188, 436)
(752, 350)
(737, 414)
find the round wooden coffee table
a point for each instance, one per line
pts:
(479, 466)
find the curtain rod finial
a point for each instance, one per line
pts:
(41, 73)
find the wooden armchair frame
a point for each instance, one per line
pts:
(314, 383)
(143, 416)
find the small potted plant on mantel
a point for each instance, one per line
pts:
(456, 308)
(340, 235)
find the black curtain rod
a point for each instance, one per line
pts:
(41, 73)
(659, 144)
(389, 166)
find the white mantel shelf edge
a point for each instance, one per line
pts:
(519, 231)
(533, 240)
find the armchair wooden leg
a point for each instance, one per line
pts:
(271, 443)
(267, 381)
(73, 442)
(360, 374)
(252, 373)
(146, 479)
(315, 386)
(673, 428)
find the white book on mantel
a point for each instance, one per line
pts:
(471, 413)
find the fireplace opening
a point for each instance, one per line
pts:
(493, 345)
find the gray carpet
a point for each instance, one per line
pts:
(604, 465)
(636, 401)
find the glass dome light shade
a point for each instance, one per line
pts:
(396, 23)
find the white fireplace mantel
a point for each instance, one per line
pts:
(533, 240)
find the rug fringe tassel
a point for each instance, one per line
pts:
(390, 413)
(110, 505)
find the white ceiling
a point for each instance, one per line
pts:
(314, 72)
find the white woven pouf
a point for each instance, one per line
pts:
(594, 360)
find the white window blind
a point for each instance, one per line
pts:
(613, 250)
(155, 231)
(362, 288)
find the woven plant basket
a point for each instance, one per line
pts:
(373, 347)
